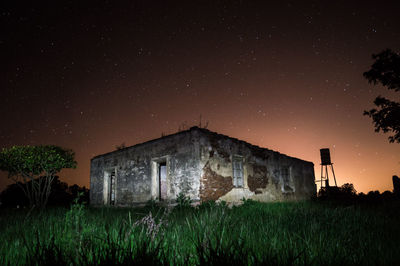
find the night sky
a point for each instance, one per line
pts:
(282, 75)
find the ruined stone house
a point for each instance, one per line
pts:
(201, 164)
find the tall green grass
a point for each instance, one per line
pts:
(302, 233)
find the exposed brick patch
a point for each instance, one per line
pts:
(214, 186)
(259, 180)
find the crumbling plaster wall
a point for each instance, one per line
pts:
(135, 166)
(199, 164)
(262, 169)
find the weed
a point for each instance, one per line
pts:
(152, 227)
(183, 201)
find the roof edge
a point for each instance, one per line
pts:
(203, 130)
(147, 142)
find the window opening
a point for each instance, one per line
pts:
(286, 179)
(237, 172)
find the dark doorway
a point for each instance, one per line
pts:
(162, 180)
(112, 188)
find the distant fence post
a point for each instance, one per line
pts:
(396, 185)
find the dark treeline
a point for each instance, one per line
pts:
(61, 195)
(347, 193)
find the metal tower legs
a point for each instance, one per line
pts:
(325, 177)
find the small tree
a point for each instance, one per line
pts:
(348, 189)
(34, 168)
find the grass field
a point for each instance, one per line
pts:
(301, 233)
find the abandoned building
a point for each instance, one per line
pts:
(201, 164)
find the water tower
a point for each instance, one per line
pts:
(325, 162)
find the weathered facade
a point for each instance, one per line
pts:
(202, 165)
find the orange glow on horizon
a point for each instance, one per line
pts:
(290, 85)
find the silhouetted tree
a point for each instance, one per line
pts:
(34, 168)
(386, 71)
(345, 192)
(61, 194)
(348, 189)
(387, 195)
(373, 195)
(74, 191)
(13, 196)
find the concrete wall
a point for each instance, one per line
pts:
(199, 164)
(262, 168)
(137, 171)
